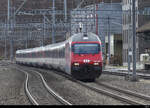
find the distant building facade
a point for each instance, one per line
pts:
(127, 25)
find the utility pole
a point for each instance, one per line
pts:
(27, 40)
(129, 42)
(11, 29)
(44, 22)
(134, 76)
(8, 22)
(5, 40)
(94, 15)
(53, 25)
(65, 9)
(8, 12)
(129, 50)
(108, 40)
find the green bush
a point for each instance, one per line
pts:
(1, 58)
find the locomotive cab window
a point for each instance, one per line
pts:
(86, 48)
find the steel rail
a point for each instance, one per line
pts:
(58, 97)
(113, 95)
(101, 91)
(30, 97)
(53, 93)
(123, 73)
(139, 95)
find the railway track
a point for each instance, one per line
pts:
(115, 93)
(46, 95)
(124, 73)
(133, 95)
(126, 96)
(139, 98)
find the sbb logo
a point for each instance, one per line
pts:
(86, 61)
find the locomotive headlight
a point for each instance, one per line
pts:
(76, 64)
(96, 64)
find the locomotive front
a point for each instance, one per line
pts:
(86, 61)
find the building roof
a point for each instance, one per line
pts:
(144, 28)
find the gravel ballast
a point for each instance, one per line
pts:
(75, 93)
(12, 86)
(142, 86)
(39, 92)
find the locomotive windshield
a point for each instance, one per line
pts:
(86, 48)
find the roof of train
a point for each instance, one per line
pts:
(79, 37)
(85, 37)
